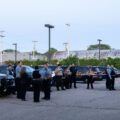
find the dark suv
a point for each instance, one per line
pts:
(7, 82)
(98, 73)
(82, 73)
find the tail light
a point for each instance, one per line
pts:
(95, 72)
(104, 72)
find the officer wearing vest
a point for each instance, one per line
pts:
(59, 74)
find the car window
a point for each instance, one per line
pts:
(29, 69)
(82, 69)
(3, 69)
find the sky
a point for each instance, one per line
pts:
(23, 22)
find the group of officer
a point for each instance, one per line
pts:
(69, 77)
(41, 80)
(110, 77)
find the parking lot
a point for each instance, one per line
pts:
(73, 104)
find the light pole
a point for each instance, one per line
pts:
(49, 38)
(66, 46)
(15, 44)
(99, 49)
(34, 48)
(68, 25)
(1, 36)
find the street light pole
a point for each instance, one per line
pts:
(68, 25)
(34, 48)
(49, 38)
(1, 36)
(66, 46)
(99, 49)
(15, 44)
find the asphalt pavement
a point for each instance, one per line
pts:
(73, 104)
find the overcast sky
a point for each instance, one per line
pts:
(23, 22)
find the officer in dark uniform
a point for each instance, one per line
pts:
(46, 76)
(90, 78)
(36, 84)
(24, 83)
(113, 77)
(73, 76)
(108, 78)
(67, 74)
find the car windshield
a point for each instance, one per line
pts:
(102, 69)
(29, 69)
(95, 69)
(52, 68)
(3, 69)
(82, 69)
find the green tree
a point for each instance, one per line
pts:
(52, 51)
(36, 53)
(96, 47)
(9, 50)
(70, 60)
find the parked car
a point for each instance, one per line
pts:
(98, 73)
(103, 70)
(82, 73)
(7, 82)
(117, 72)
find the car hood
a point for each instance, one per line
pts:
(2, 76)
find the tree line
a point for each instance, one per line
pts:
(76, 61)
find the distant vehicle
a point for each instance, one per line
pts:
(103, 70)
(82, 73)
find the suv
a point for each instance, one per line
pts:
(98, 73)
(81, 73)
(7, 82)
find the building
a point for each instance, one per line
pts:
(87, 54)
(6, 56)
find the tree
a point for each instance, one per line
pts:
(36, 53)
(52, 51)
(70, 60)
(9, 50)
(96, 47)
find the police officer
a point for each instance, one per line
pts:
(25, 81)
(36, 84)
(90, 78)
(46, 76)
(113, 77)
(73, 76)
(17, 80)
(59, 74)
(10, 70)
(11, 73)
(67, 77)
(108, 78)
